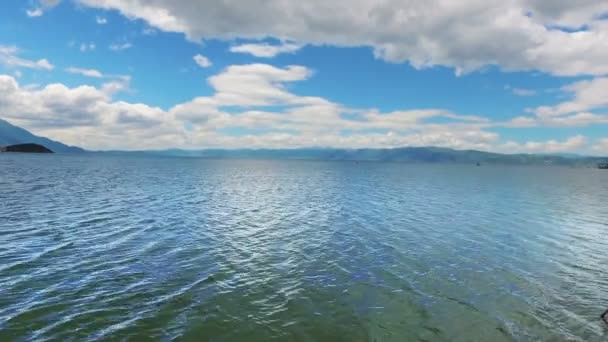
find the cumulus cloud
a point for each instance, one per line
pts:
(9, 56)
(255, 98)
(54, 105)
(465, 35)
(202, 61)
(265, 50)
(90, 117)
(85, 115)
(101, 20)
(258, 85)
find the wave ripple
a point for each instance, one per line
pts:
(98, 247)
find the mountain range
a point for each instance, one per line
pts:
(403, 154)
(11, 135)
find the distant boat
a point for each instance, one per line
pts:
(478, 164)
(603, 166)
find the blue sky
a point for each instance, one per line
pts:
(506, 76)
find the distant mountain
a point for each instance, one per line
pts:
(404, 154)
(13, 135)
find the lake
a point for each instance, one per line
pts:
(99, 247)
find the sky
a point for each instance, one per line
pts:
(505, 76)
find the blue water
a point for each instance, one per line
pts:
(113, 248)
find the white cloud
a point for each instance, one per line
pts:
(388, 140)
(91, 117)
(521, 122)
(571, 144)
(54, 105)
(265, 50)
(148, 31)
(31, 86)
(581, 119)
(36, 12)
(41, 6)
(311, 121)
(85, 72)
(84, 47)
(120, 46)
(85, 116)
(258, 85)
(601, 147)
(577, 120)
(202, 61)
(118, 84)
(521, 91)
(465, 35)
(587, 96)
(88, 116)
(101, 20)
(9, 57)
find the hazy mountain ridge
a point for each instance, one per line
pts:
(13, 135)
(403, 154)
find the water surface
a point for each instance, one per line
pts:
(108, 248)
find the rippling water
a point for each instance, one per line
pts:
(97, 247)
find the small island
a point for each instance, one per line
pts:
(25, 148)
